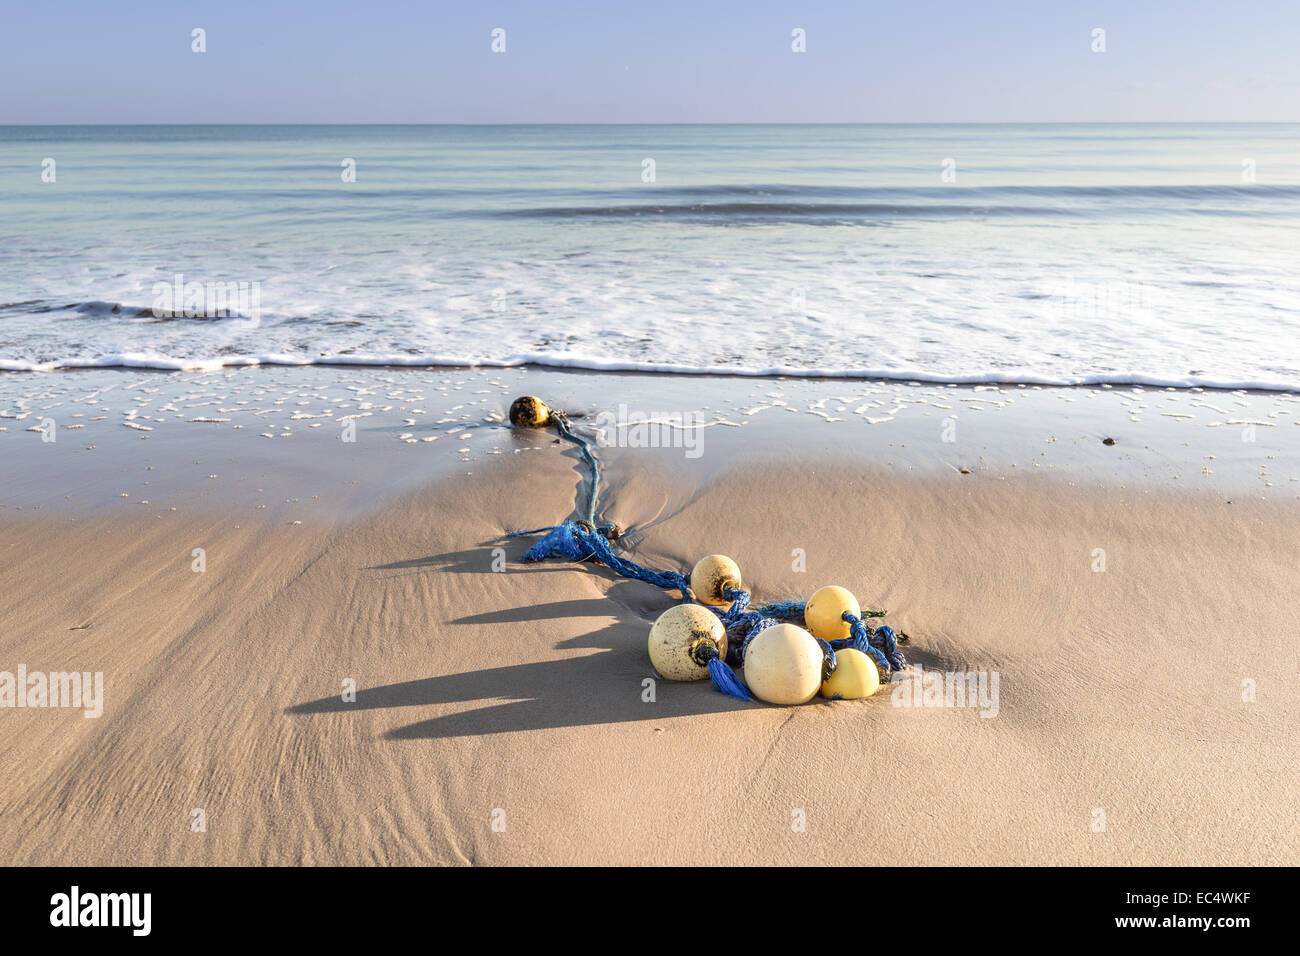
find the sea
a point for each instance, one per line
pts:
(1059, 254)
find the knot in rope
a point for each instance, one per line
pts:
(881, 644)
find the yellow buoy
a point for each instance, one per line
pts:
(824, 612)
(529, 412)
(708, 577)
(783, 665)
(679, 639)
(855, 676)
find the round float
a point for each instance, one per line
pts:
(708, 577)
(855, 677)
(529, 412)
(824, 612)
(783, 665)
(679, 638)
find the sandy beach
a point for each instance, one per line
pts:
(1133, 600)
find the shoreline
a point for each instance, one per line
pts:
(592, 367)
(101, 438)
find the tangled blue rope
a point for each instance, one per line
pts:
(578, 541)
(585, 540)
(880, 644)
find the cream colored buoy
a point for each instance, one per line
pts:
(679, 639)
(783, 665)
(824, 612)
(708, 577)
(855, 676)
(529, 411)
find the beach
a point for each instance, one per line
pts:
(234, 559)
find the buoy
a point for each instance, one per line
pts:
(783, 665)
(684, 639)
(824, 612)
(529, 412)
(855, 676)
(708, 577)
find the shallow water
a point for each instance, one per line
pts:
(1160, 254)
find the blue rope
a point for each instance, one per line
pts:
(829, 663)
(725, 680)
(739, 614)
(742, 622)
(784, 610)
(881, 645)
(578, 543)
(748, 626)
(584, 540)
(608, 529)
(562, 424)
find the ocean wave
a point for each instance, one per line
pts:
(469, 198)
(797, 202)
(102, 309)
(1008, 191)
(793, 202)
(782, 211)
(163, 363)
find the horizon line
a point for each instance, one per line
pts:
(716, 123)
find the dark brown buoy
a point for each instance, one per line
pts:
(529, 411)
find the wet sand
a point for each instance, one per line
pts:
(1133, 601)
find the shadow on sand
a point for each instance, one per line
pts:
(601, 688)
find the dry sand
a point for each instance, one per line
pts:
(516, 697)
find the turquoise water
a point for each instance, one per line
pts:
(1038, 253)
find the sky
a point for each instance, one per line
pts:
(388, 61)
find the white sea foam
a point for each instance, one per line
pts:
(1081, 256)
(164, 363)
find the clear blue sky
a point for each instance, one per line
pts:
(379, 61)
